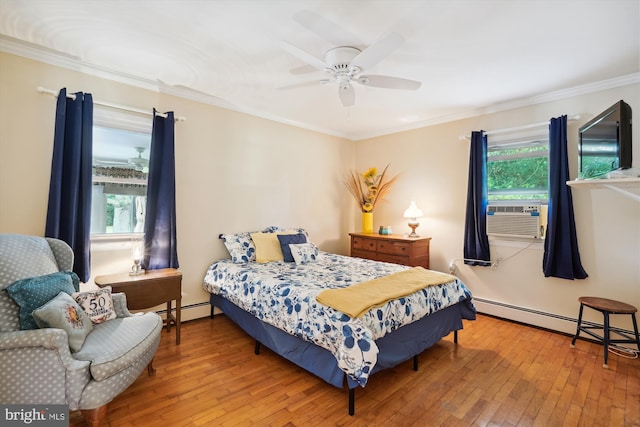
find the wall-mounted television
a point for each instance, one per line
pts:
(605, 142)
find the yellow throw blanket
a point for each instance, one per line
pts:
(357, 299)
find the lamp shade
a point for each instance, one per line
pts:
(413, 211)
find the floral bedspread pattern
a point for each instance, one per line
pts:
(283, 295)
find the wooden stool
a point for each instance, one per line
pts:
(607, 307)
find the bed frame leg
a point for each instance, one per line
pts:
(415, 362)
(352, 401)
(455, 337)
(211, 315)
(257, 348)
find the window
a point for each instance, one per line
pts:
(518, 171)
(518, 174)
(120, 168)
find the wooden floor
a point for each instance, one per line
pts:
(499, 374)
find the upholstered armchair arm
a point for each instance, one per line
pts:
(120, 304)
(37, 366)
(47, 338)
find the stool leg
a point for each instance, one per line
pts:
(635, 329)
(606, 338)
(573, 341)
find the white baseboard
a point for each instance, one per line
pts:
(538, 318)
(190, 312)
(524, 315)
(519, 314)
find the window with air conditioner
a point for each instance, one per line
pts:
(518, 187)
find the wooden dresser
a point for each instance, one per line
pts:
(391, 248)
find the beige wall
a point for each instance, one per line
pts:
(236, 172)
(434, 165)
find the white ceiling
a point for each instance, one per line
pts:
(471, 56)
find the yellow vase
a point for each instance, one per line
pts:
(367, 222)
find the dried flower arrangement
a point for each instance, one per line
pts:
(369, 187)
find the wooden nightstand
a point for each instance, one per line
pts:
(150, 289)
(391, 248)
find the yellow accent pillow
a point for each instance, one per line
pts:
(268, 246)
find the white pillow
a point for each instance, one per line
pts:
(62, 312)
(304, 253)
(97, 304)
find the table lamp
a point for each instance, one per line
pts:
(413, 213)
(136, 268)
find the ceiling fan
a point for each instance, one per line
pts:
(139, 163)
(345, 64)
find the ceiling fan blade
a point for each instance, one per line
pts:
(111, 162)
(377, 51)
(389, 82)
(304, 55)
(347, 94)
(325, 28)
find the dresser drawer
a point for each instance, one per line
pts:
(364, 244)
(394, 248)
(359, 253)
(395, 259)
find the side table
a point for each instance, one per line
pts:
(150, 289)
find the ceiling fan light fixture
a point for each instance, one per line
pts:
(345, 62)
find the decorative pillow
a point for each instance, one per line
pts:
(33, 292)
(63, 312)
(268, 246)
(97, 304)
(288, 239)
(241, 246)
(304, 253)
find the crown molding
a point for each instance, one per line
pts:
(63, 60)
(585, 89)
(70, 62)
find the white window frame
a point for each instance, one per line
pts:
(518, 141)
(106, 117)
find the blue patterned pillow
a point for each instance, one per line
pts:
(288, 239)
(241, 246)
(63, 312)
(33, 292)
(304, 253)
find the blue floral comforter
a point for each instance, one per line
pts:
(283, 294)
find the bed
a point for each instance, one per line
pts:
(276, 302)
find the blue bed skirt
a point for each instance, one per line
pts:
(395, 348)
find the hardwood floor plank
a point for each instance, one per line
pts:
(500, 374)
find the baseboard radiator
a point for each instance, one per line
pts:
(524, 315)
(528, 316)
(190, 312)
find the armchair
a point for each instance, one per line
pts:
(37, 366)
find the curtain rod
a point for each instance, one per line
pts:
(517, 128)
(114, 106)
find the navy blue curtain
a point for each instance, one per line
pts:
(160, 221)
(561, 257)
(69, 209)
(476, 242)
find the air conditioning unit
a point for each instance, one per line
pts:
(514, 220)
